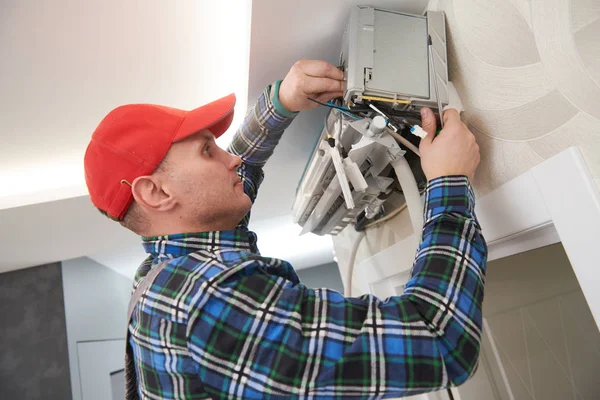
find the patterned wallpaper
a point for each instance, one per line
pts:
(528, 72)
(529, 75)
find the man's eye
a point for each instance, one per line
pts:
(206, 150)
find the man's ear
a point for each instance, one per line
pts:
(149, 192)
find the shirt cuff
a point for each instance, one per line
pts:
(449, 194)
(277, 104)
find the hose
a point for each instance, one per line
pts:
(411, 193)
(350, 270)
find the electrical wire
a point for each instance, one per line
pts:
(414, 200)
(378, 111)
(355, 117)
(328, 104)
(403, 141)
(394, 133)
(386, 218)
(403, 114)
(343, 110)
(341, 120)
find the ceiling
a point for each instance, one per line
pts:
(58, 83)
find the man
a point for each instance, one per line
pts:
(222, 321)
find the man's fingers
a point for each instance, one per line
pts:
(313, 79)
(320, 69)
(428, 124)
(316, 86)
(451, 115)
(325, 97)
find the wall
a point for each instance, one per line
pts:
(117, 385)
(544, 334)
(536, 91)
(322, 276)
(530, 95)
(34, 361)
(95, 303)
(98, 362)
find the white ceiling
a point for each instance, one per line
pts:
(66, 65)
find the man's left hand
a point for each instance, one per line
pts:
(312, 79)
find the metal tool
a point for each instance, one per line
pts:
(435, 81)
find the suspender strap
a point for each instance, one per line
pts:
(131, 384)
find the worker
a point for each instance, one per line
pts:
(222, 321)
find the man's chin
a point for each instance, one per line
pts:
(244, 205)
(248, 203)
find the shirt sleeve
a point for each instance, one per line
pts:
(257, 138)
(255, 332)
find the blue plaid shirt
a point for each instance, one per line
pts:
(223, 322)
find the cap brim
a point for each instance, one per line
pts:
(216, 117)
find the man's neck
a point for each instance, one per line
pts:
(173, 229)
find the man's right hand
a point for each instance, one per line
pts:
(453, 152)
(310, 79)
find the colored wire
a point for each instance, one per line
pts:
(372, 98)
(328, 104)
(341, 109)
(348, 114)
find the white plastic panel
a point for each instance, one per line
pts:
(400, 63)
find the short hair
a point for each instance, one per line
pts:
(135, 218)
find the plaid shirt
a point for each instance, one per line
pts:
(222, 321)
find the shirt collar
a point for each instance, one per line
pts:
(178, 245)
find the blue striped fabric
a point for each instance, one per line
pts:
(222, 321)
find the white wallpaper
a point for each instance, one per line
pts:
(528, 72)
(529, 75)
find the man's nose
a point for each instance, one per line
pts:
(235, 162)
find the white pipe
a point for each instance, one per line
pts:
(351, 261)
(415, 210)
(411, 193)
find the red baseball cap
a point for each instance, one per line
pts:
(133, 139)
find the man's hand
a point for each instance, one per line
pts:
(313, 79)
(453, 152)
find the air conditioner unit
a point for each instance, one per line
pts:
(394, 64)
(387, 54)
